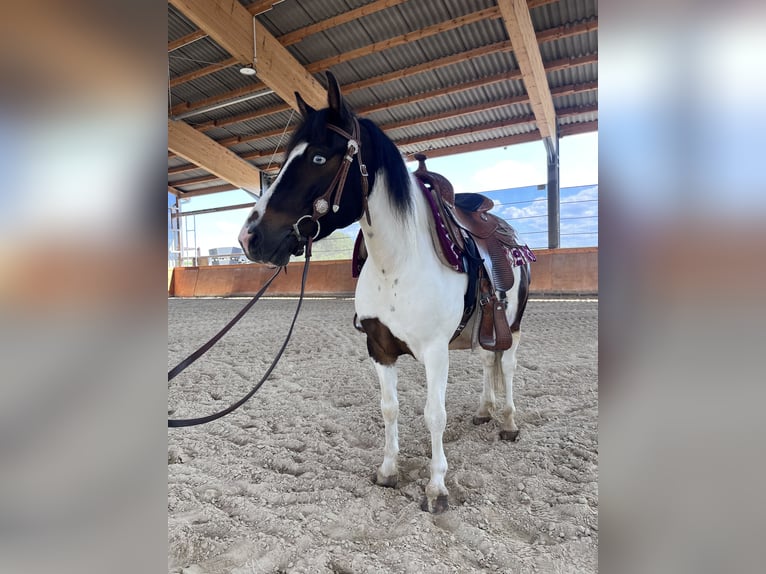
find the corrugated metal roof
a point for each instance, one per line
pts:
(482, 127)
(178, 24)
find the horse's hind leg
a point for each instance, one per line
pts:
(507, 365)
(389, 405)
(487, 398)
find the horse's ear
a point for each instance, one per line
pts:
(304, 108)
(335, 100)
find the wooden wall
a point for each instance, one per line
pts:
(556, 271)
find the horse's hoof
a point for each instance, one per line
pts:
(477, 420)
(386, 481)
(511, 435)
(437, 506)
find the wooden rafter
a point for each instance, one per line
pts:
(486, 14)
(247, 116)
(345, 17)
(187, 39)
(527, 119)
(202, 72)
(195, 180)
(513, 75)
(239, 33)
(199, 149)
(578, 128)
(371, 8)
(551, 34)
(518, 23)
(566, 90)
(440, 135)
(209, 190)
(261, 6)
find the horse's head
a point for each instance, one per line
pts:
(312, 195)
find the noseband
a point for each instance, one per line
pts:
(334, 191)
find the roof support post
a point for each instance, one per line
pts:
(554, 197)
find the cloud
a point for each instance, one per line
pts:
(509, 173)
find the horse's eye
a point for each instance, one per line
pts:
(319, 159)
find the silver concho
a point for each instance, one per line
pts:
(321, 206)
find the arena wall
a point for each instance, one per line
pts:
(556, 271)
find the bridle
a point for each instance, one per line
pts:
(334, 191)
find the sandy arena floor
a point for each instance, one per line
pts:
(284, 483)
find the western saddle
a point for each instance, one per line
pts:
(469, 239)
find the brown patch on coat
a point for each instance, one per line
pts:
(382, 346)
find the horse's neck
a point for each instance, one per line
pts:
(395, 240)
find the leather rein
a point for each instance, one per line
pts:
(321, 207)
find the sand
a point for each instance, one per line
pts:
(284, 484)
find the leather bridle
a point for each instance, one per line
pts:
(334, 191)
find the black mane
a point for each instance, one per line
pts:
(379, 153)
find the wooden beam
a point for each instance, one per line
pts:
(209, 190)
(495, 48)
(526, 119)
(441, 135)
(174, 191)
(518, 23)
(565, 90)
(486, 14)
(239, 33)
(477, 146)
(371, 8)
(194, 180)
(556, 33)
(185, 40)
(551, 66)
(567, 130)
(202, 72)
(183, 169)
(261, 6)
(298, 35)
(199, 149)
(578, 128)
(214, 100)
(245, 117)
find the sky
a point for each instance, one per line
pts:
(519, 172)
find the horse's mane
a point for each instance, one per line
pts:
(389, 159)
(384, 155)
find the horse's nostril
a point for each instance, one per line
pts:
(255, 235)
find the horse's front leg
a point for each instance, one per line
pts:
(436, 362)
(389, 405)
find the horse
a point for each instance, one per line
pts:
(407, 301)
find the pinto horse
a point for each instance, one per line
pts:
(340, 169)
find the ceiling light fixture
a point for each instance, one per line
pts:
(247, 70)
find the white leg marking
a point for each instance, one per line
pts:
(507, 422)
(389, 406)
(487, 398)
(436, 361)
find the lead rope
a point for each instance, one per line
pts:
(174, 423)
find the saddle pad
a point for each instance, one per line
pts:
(451, 253)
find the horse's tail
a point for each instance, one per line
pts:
(498, 377)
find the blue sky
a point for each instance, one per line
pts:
(513, 176)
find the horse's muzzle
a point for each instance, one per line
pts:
(273, 250)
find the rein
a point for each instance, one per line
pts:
(174, 423)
